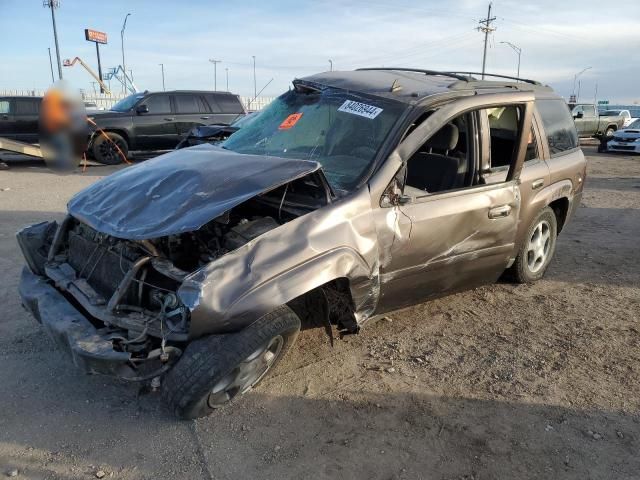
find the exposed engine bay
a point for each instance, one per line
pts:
(128, 289)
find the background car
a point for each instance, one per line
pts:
(157, 120)
(626, 140)
(626, 114)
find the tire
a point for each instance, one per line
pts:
(526, 269)
(104, 150)
(205, 377)
(609, 132)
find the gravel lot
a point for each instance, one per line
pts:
(506, 381)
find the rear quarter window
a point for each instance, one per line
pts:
(558, 125)
(225, 103)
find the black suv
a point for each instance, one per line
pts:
(19, 118)
(157, 120)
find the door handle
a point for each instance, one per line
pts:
(499, 212)
(537, 183)
(204, 118)
(168, 119)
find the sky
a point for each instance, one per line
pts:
(292, 39)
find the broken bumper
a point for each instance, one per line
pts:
(91, 352)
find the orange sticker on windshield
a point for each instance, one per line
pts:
(290, 121)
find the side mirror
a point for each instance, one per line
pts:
(142, 109)
(578, 115)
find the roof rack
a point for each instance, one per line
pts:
(526, 80)
(418, 70)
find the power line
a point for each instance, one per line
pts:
(486, 28)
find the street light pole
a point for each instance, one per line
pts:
(330, 65)
(124, 66)
(518, 50)
(215, 73)
(53, 4)
(255, 86)
(226, 70)
(575, 79)
(162, 67)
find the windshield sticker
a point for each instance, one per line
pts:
(361, 109)
(290, 121)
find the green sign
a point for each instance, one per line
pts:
(603, 102)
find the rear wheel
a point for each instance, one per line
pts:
(537, 249)
(111, 149)
(609, 133)
(215, 370)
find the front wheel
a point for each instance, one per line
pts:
(609, 133)
(216, 369)
(538, 248)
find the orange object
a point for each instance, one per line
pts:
(54, 111)
(290, 121)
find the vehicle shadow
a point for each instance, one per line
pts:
(59, 425)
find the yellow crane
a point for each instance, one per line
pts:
(71, 63)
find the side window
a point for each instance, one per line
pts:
(158, 104)
(27, 106)
(558, 125)
(532, 152)
(444, 162)
(229, 104)
(589, 111)
(213, 104)
(187, 104)
(503, 131)
(4, 106)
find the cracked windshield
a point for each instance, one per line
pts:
(341, 131)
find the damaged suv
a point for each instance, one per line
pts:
(353, 194)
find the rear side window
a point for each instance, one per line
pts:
(158, 104)
(558, 125)
(4, 106)
(225, 103)
(27, 106)
(188, 104)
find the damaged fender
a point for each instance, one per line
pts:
(287, 262)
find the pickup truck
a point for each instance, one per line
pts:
(589, 123)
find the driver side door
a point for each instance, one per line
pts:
(463, 235)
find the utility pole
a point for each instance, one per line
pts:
(215, 73)
(518, 50)
(330, 65)
(486, 28)
(162, 67)
(226, 71)
(124, 67)
(53, 79)
(53, 4)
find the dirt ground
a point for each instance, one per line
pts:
(515, 382)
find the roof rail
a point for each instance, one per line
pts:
(418, 70)
(526, 80)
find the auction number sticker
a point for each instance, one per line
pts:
(361, 109)
(290, 121)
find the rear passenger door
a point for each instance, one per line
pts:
(155, 129)
(191, 110)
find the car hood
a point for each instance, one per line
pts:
(180, 191)
(628, 133)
